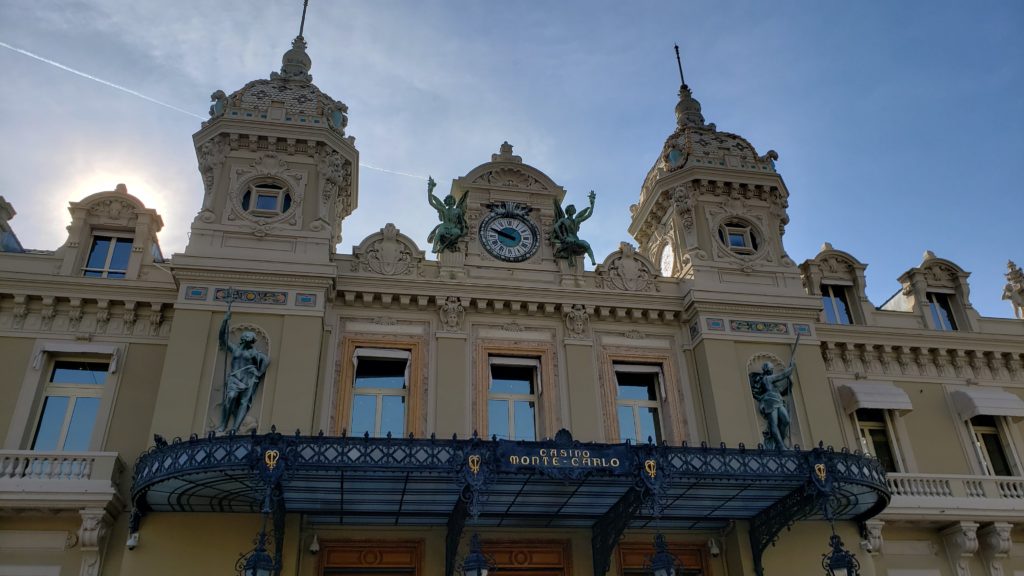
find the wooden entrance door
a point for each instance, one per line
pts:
(371, 558)
(530, 558)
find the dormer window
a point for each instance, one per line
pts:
(266, 198)
(738, 236)
(836, 304)
(941, 311)
(108, 256)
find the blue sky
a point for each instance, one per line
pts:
(899, 125)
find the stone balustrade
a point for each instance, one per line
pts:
(954, 497)
(60, 480)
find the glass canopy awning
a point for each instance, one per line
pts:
(560, 483)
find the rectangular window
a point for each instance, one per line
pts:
(108, 257)
(992, 448)
(942, 311)
(70, 405)
(380, 392)
(836, 304)
(875, 430)
(638, 390)
(512, 398)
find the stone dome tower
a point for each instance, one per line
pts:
(279, 173)
(711, 208)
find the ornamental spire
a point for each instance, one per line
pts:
(688, 109)
(295, 63)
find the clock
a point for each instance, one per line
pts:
(508, 234)
(668, 260)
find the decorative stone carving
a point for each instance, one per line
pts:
(20, 310)
(235, 400)
(156, 317)
(626, 270)
(961, 542)
(334, 178)
(75, 314)
(512, 327)
(577, 321)
(388, 252)
(102, 314)
(48, 312)
(113, 209)
(266, 165)
(873, 536)
(452, 312)
(220, 102)
(211, 156)
(994, 546)
(509, 177)
(92, 535)
(1014, 289)
(634, 334)
(129, 316)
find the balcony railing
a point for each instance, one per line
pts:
(59, 480)
(954, 496)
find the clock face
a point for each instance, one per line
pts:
(668, 260)
(510, 238)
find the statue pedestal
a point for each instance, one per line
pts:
(452, 265)
(571, 272)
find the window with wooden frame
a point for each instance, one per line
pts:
(940, 307)
(109, 254)
(642, 368)
(71, 403)
(380, 387)
(875, 431)
(835, 302)
(512, 396)
(512, 363)
(996, 453)
(634, 556)
(638, 392)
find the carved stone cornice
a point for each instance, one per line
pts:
(508, 306)
(915, 360)
(82, 317)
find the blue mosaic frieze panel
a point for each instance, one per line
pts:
(274, 297)
(716, 324)
(196, 292)
(305, 299)
(758, 327)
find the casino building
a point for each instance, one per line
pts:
(496, 406)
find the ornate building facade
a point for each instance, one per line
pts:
(366, 413)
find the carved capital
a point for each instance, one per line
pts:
(994, 545)
(961, 542)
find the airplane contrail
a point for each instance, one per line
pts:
(100, 80)
(154, 100)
